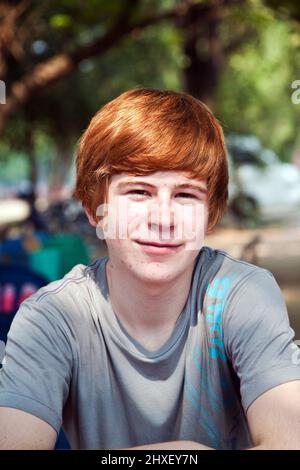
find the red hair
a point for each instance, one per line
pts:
(146, 130)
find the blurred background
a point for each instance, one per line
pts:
(61, 60)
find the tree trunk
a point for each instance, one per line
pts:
(63, 64)
(204, 53)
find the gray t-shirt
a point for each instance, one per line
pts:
(70, 361)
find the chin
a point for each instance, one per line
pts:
(156, 273)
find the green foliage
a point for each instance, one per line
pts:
(14, 169)
(60, 21)
(149, 57)
(261, 42)
(254, 95)
(152, 58)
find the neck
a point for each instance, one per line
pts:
(144, 307)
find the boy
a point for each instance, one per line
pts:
(165, 343)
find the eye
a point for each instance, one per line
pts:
(187, 195)
(139, 192)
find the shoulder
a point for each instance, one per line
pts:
(237, 292)
(243, 300)
(75, 280)
(227, 262)
(227, 273)
(63, 301)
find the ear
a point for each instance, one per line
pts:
(91, 218)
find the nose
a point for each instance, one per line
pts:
(161, 217)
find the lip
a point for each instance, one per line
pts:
(158, 249)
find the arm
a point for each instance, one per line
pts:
(172, 445)
(274, 418)
(34, 379)
(259, 344)
(20, 430)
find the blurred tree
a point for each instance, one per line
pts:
(44, 42)
(221, 51)
(254, 94)
(206, 47)
(61, 38)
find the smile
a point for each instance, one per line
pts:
(153, 248)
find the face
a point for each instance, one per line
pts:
(166, 209)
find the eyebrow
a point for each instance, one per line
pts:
(181, 186)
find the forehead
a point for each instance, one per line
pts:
(159, 178)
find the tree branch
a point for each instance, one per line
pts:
(64, 64)
(236, 42)
(9, 40)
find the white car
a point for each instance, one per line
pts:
(259, 183)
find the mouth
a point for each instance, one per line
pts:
(155, 248)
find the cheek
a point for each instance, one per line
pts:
(137, 216)
(124, 218)
(115, 221)
(191, 221)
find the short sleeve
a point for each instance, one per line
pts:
(258, 337)
(37, 366)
